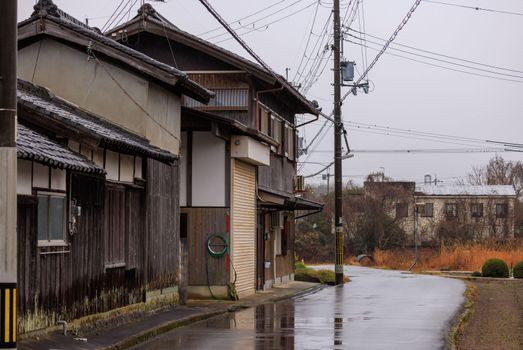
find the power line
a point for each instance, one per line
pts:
(421, 133)
(241, 19)
(317, 46)
(270, 23)
(435, 59)
(474, 8)
(260, 19)
(114, 17)
(429, 150)
(439, 54)
(440, 66)
(389, 41)
(308, 39)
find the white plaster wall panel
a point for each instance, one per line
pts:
(126, 168)
(26, 61)
(208, 170)
(23, 181)
(165, 108)
(183, 170)
(111, 165)
(86, 83)
(138, 167)
(40, 175)
(58, 181)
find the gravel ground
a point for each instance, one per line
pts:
(497, 319)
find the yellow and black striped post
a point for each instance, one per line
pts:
(7, 315)
(8, 238)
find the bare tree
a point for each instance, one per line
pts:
(498, 171)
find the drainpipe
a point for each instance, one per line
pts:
(63, 323)
(310, 121)
(258, 93)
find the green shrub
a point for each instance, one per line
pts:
(495, 268)
(517, 272)
(476, 274)
(299, 265)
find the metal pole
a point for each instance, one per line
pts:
(338, 132)
(8, 252)
(416, 234)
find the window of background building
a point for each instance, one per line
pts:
(451, 210)
(501, 210)
(476, 210)
(427, 210)
(402, 210)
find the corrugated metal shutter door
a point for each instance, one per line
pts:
(244, 226)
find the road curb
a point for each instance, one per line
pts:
(168, 326)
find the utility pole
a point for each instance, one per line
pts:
(8, 164)
(338, 202)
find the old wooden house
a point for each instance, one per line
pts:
(238, 164)
(96, 237)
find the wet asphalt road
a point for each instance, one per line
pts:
(378, 309)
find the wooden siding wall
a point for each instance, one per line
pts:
(285, 263)
(187, 58)
(269, 247)
(213, 81)
(163, 221)
(71, 282)
(202, 223)
(279, 175)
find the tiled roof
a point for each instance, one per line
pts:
(48, 10)
(152, 15)
(466, 190)
(42, 101)
(34, 146)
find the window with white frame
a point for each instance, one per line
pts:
(51, 218)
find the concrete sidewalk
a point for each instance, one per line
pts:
(156, 323)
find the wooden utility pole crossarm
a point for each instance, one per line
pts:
(8, 252)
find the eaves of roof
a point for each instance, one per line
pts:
(158, 25)
(31, 145)
(47, 19)
(51, 110)
(234, 124)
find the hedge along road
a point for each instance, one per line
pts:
(378, 309)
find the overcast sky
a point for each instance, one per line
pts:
(406, 94)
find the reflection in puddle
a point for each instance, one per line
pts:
(379, 310)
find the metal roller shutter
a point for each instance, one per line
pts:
(244, 226)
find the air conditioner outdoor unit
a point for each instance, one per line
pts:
(300, 184)
(276, 219)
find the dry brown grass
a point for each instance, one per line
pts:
(462, 257)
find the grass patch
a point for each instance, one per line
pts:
(306, 274)
(471, 296)
(457, 257)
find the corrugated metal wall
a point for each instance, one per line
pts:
(227, 98)
(244, 226)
